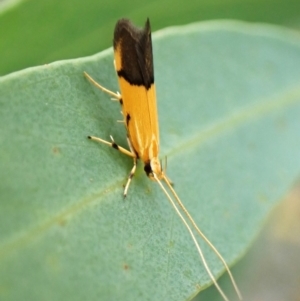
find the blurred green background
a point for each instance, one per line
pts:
(37, 32)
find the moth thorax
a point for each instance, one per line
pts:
(153, 167)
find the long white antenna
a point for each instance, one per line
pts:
(193, 237)
(203, 236)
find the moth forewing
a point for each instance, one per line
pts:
(134, 66)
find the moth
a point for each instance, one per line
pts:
(134, 66)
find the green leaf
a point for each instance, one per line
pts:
(229, 104)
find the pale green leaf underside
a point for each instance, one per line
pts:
(229, 106)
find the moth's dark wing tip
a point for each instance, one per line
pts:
(147, 25)
(122, 27)
(126, 24)
(134, 48)
(123, 23)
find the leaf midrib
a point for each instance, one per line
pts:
(261, 108)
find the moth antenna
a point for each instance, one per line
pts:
(192, 235)
(203, 237)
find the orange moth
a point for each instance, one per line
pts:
(134, 66)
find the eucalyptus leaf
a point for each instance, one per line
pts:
(229, 106)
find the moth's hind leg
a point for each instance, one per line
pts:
(123, 150)
(113, 144)
(116, 96)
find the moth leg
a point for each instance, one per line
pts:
(114, 145)
(132, 172)
(116, 96)
(123, 150)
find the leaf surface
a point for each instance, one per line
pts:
(229, 106)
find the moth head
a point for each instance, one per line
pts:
(153, 167)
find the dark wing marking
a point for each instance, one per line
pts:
(135, 48)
